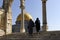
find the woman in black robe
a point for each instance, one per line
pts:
(30, 26)
(37, 24)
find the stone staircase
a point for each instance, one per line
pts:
(51, 35)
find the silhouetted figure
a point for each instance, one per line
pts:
(30, 26)
(37, 24)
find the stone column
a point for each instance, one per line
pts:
(8, 16)
(44, 27)
(4, 6)
(22, 29)
(0, 18)
(1, 12)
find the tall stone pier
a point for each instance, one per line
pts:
(8, 16)
(22, 29)
(44, 27)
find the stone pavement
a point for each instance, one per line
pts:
(50, 35)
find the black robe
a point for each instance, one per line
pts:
(30, 27)
(37, 24)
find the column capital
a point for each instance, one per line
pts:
(22, 0)
(22, 4)
(44, 1)
(10, 1)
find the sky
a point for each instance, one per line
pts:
(34, 8)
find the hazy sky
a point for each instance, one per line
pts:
(34, 8)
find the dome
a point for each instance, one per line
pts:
(27, 17)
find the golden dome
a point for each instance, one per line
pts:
(27, 17)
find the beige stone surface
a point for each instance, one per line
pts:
(1, 19)
(6, 17)
(2, 32)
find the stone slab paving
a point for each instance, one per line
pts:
(51, 35)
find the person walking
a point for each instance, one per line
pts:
(30, 26)
(37, 24)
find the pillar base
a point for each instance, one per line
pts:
(44, 28)
(22, 30)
